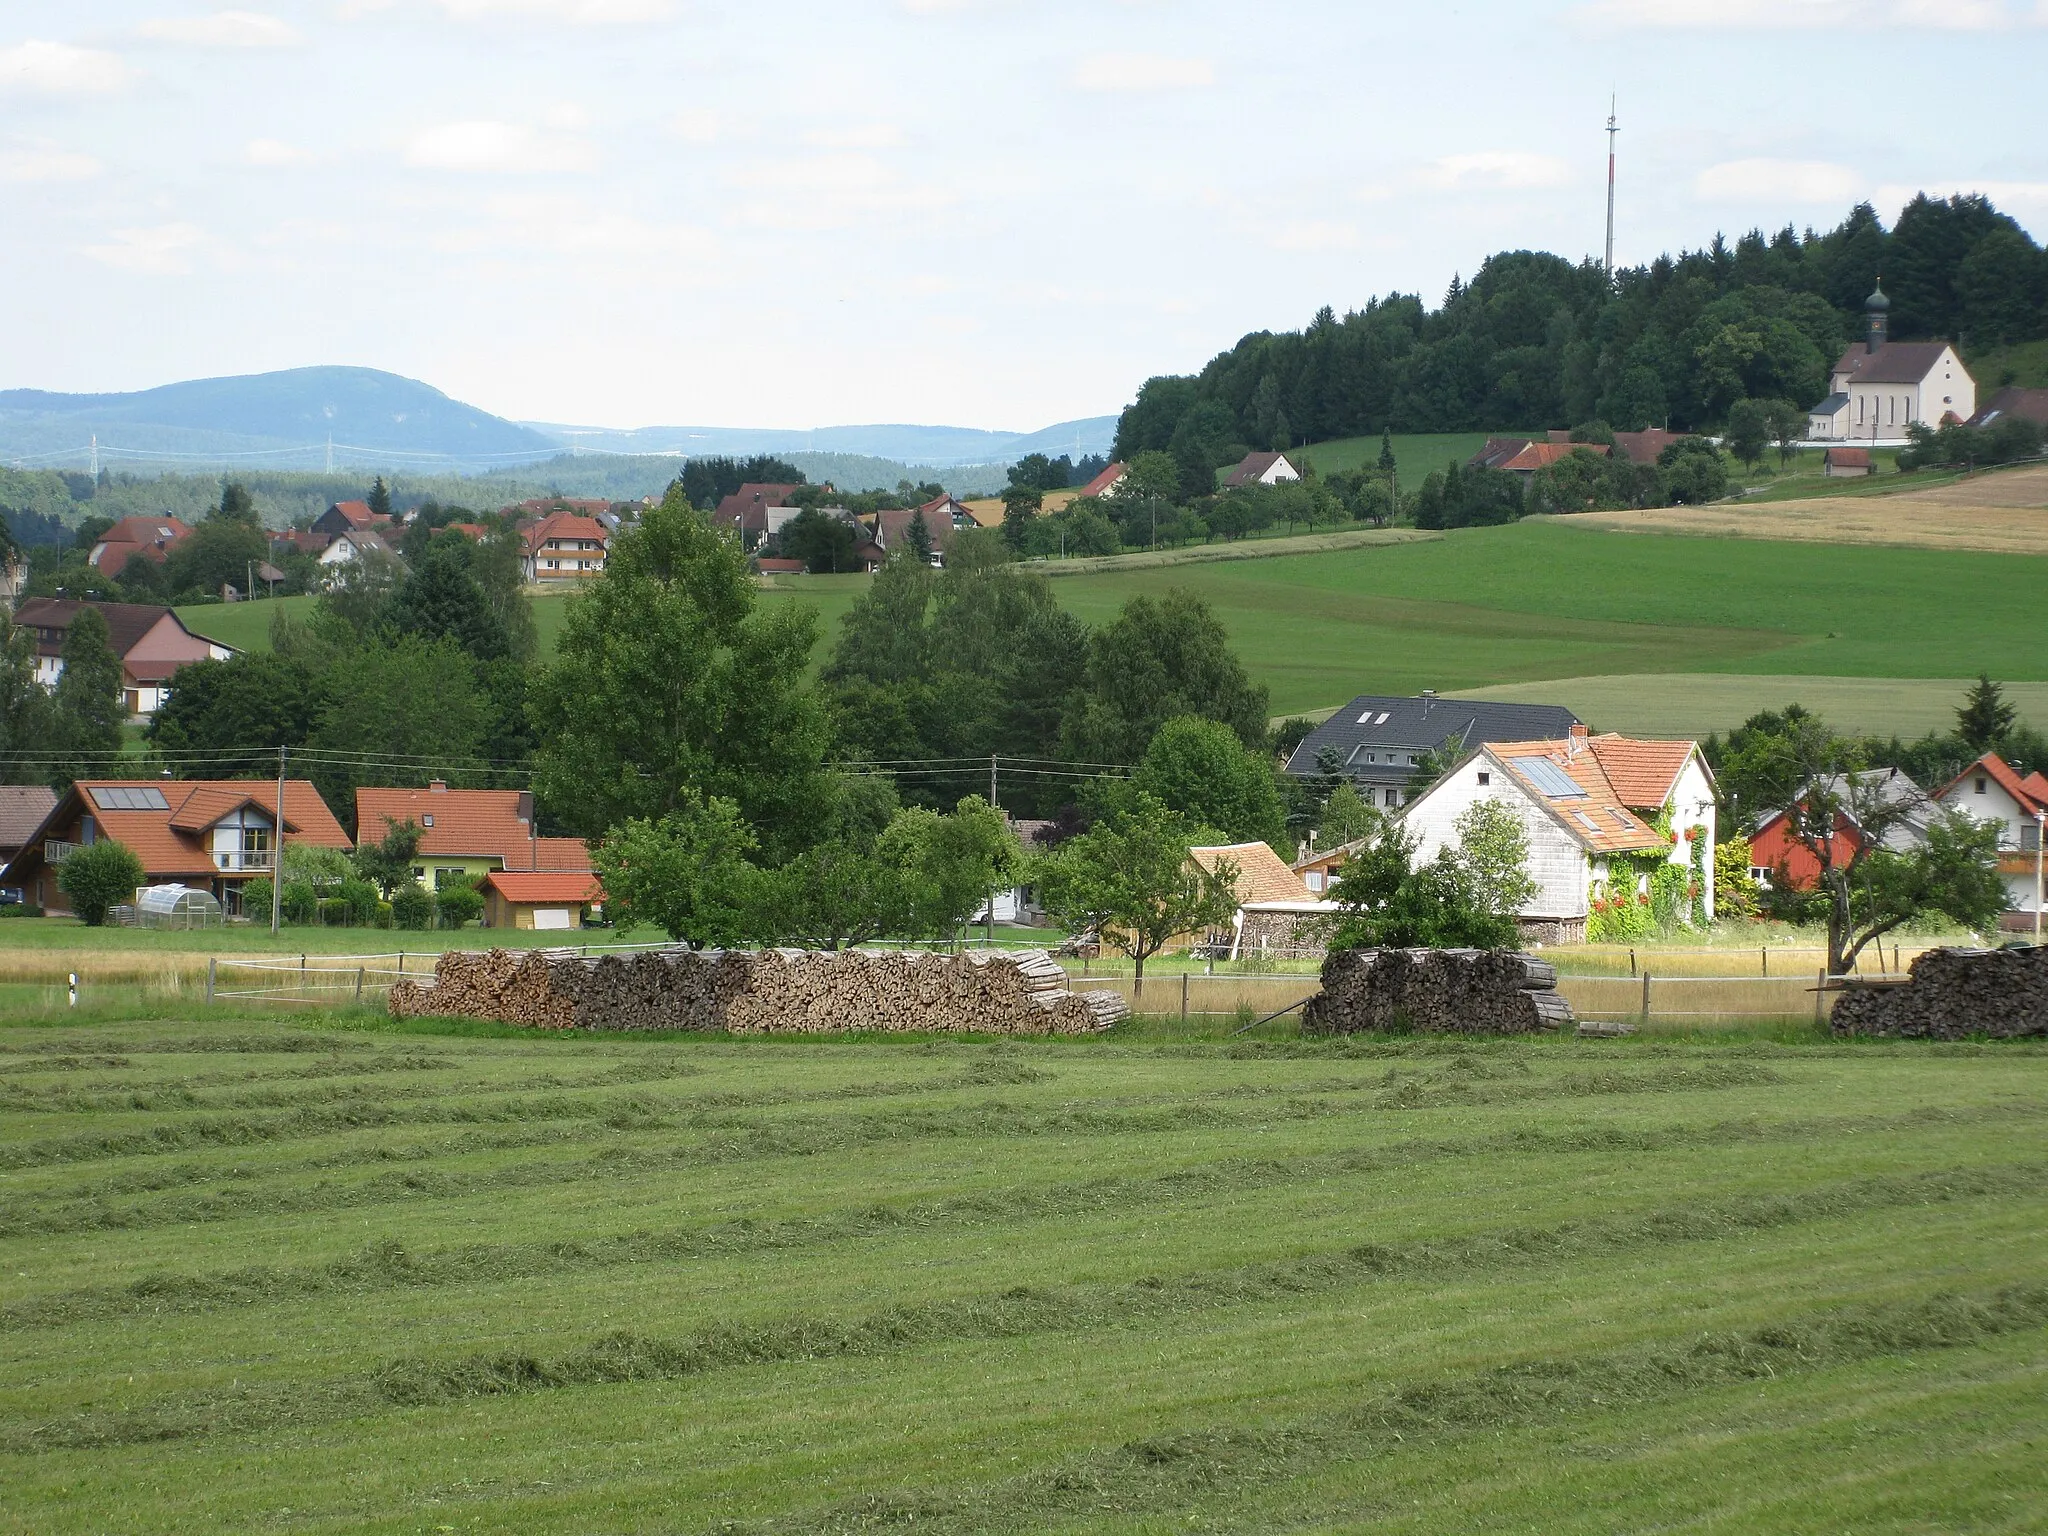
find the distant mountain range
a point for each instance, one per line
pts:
(937, 446)
(362, 418)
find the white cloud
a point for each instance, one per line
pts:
(1497, 168)
(582, 13)
(1142, 72)
(493, 148)
(817, 191)
(857, 136)
(1805, 15)
(699, 125)
(58, 69)
(161, 248)
(46, 162)
(1776, 181)
(1314, 235)
(272, 153)
(224, 29)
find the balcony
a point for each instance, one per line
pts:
(232, 863)
(55, 852)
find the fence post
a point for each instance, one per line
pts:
(1183, 994)
(1646, 997)
(302, 975)
(401, 962)
(211, 963)
(1820, 992)
(1766, 953)
(359, 984)
(72, 978)
(1631, 962)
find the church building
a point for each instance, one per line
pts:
(1879, 387)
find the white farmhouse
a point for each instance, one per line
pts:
(1586, 804)
(1262, 469)
(1879, 387)
(1990, 790)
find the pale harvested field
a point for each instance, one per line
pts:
(2003, 512)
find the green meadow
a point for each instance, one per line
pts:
(1546, 600)
(322, 1274)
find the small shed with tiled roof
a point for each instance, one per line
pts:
(523, 899)
(1274, 907)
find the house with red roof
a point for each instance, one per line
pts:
(468, 833)
(1992, 790)
(1262, 469)
(1105, 483)
(565, 547)
(214, 835)
(746, 510)
(151, 641)
(151, 538)
(1591, 807)
(349, 517)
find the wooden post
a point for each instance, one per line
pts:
(401, 962)
(1631, 962)
(72, 978)
(210, 965)
(1766, 953)
(1820, 993)
(1183, 994)
(1646, 997)
(359, 984)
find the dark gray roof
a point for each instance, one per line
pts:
(1829, 406)
(1896, 362)
(2013, 401)
(1373, 723)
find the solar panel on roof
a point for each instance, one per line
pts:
(1551, 779)
(1591, 824)
(147, 798)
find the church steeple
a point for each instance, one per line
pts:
(1875, 310)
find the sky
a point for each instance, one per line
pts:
(992, 213)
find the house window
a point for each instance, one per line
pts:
(2030, 837)
(1980, 786)
(1485, 778)
(1315, 880)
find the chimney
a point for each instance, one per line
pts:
(525, 810)
(1428, 701)
(437, 786)
(1575, 741)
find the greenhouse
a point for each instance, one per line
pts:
(176, 906)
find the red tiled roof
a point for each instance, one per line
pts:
(1535, 456)
(1848, 458)
(530, 889)
(307, 540)
(472, 823)
(127, 623)
(565, 525)
(747, 508)
(357, 514)
(1641, 772)
(1261, 875)
(1104, 482)
(1600, 819)
(1643, 447)
(1999, 771)
(172, 841)
(772, 566)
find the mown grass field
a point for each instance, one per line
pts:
(318, 1275)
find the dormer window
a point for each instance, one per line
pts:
(426, 821)
(1980, 786)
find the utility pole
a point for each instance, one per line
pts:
(277, 852)
(95, 455)
(992, 782)
(1611, 130)
(330, 453)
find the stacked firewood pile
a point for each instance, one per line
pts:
(772, 991)
(1954, 993)
(486, 984)
(1442, 991)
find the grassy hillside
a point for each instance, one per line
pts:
(1662, 705)
(1547, 600)
(1415, 454)
(264, 1275)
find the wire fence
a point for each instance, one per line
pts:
(339, 980)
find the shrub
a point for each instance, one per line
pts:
(359, 899)
(256, 899)
(411, 906)
(459, 902)
(300, 905)
(98, 878)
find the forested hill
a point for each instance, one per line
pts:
(1534, 340)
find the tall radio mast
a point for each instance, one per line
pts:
(1610, 188)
